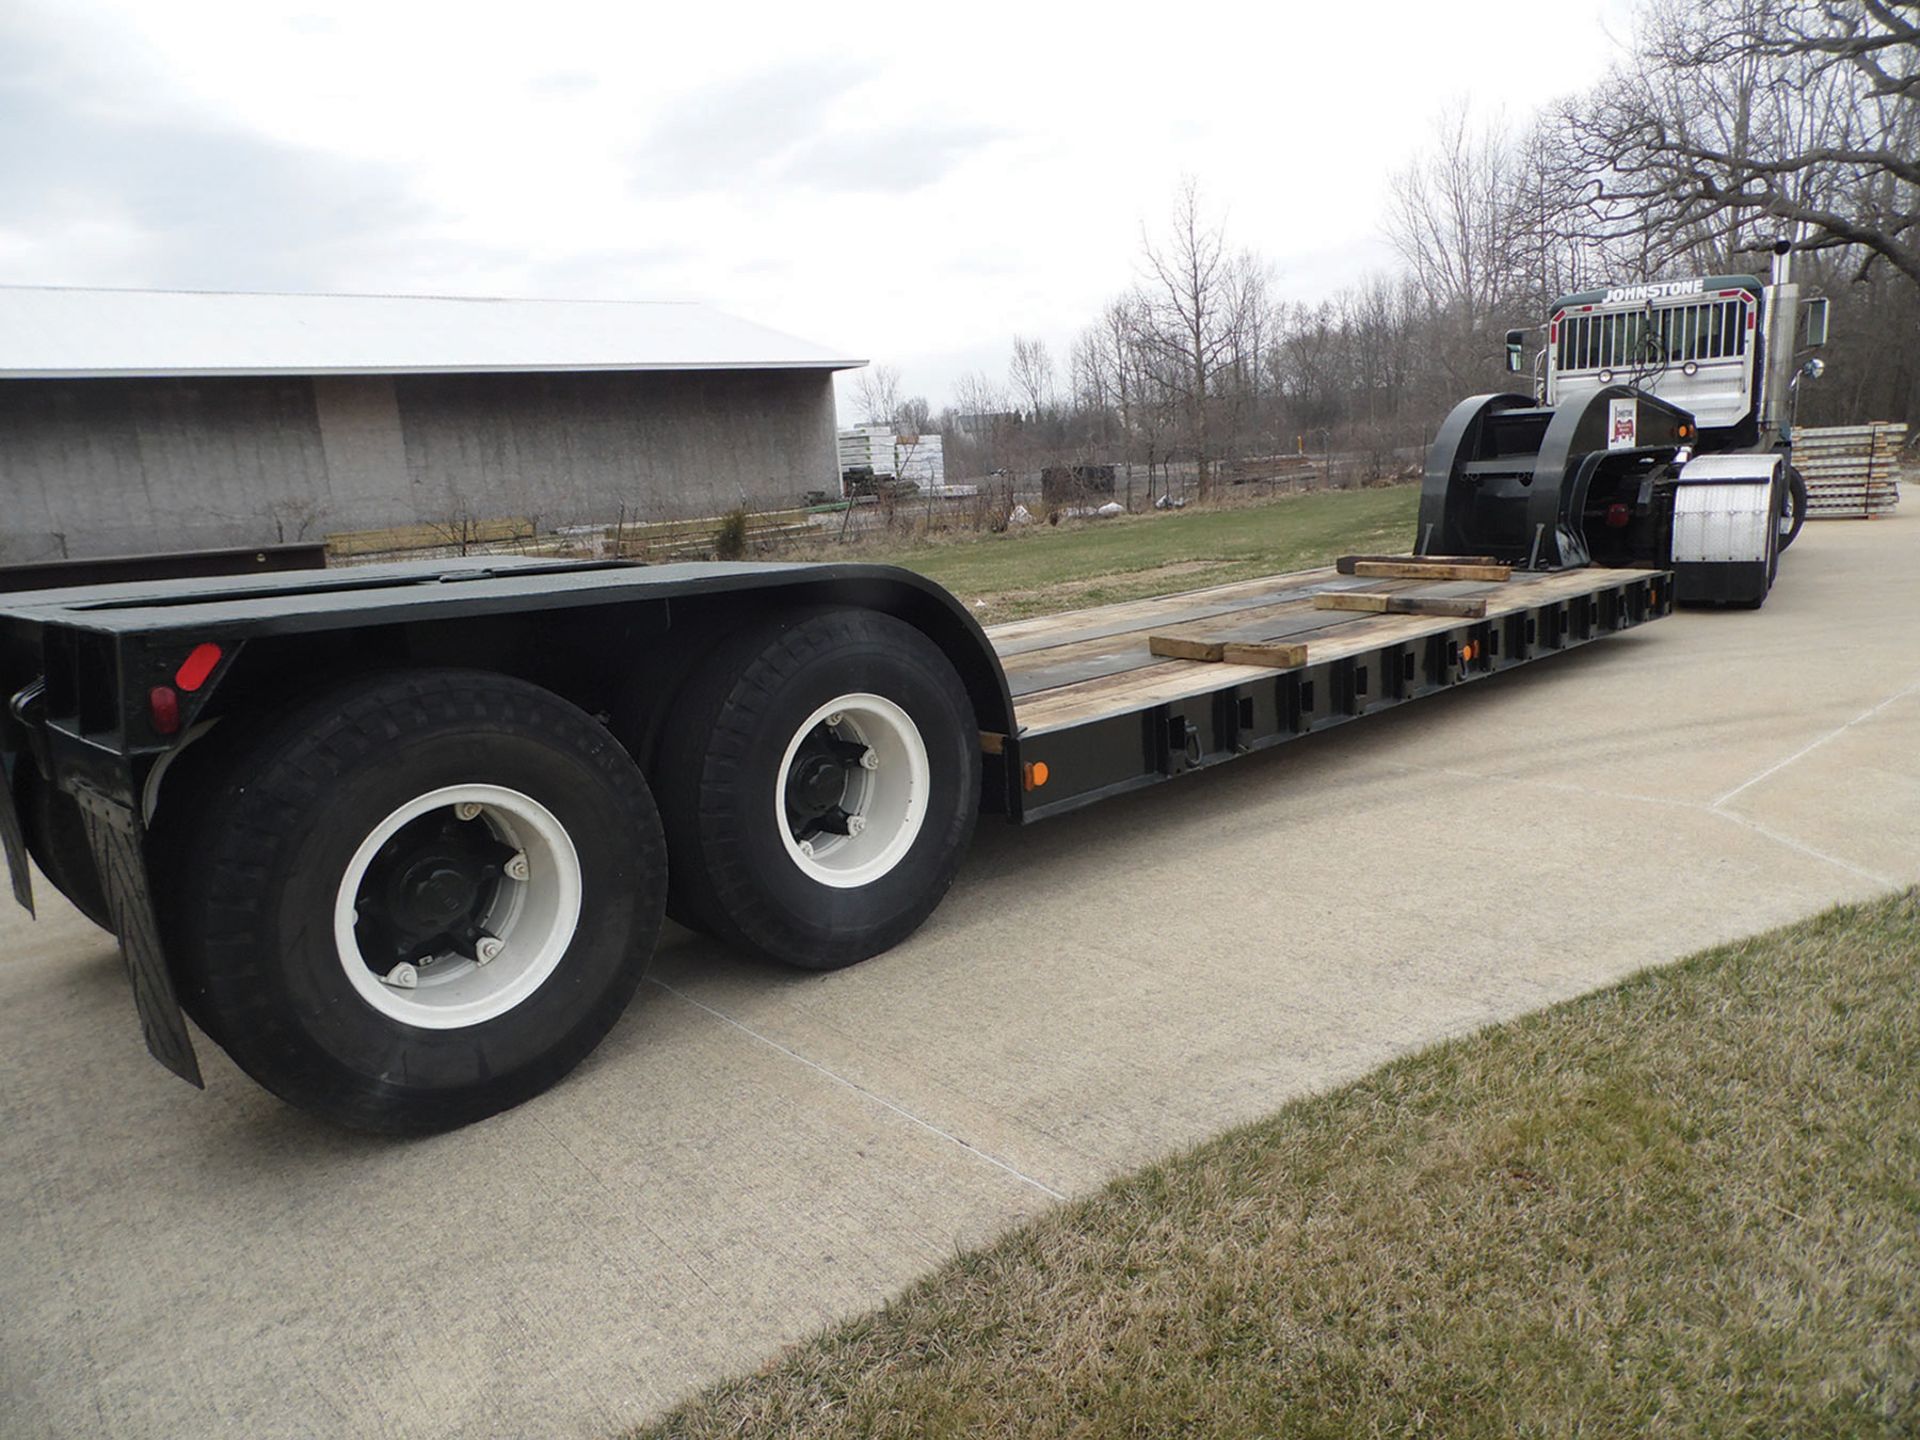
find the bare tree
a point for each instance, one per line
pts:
(1793, 116)
(979, 426)
(878, 394)
(1030, 373)
(914, 416)
(1186, 305)
(1117, 328)
(1457, 221)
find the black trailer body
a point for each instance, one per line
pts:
(1098, 713)
(399, 838)
(164, 565)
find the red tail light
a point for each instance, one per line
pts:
(198, 665)
(163, 705)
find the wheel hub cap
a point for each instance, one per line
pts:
(853, 790)
(457, 906)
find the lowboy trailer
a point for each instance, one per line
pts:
(400, 839)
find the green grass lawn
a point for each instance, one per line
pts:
(1041, 568)
(1688, 1205)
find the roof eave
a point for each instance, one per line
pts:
(238, 372)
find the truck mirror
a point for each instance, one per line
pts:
(1516, 346)
(1817, 321)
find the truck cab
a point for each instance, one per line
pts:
(1697, 344)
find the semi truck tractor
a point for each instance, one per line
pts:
(1659, 432)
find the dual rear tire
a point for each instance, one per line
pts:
(424, 897)
(820, 778)
(419, 900)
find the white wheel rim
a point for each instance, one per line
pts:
(885, 799)
(533, 919)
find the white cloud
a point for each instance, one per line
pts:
(911, 183)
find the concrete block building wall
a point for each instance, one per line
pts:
(104, 466)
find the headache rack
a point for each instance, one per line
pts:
(1716, 329)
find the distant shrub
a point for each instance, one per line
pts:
(730, 540)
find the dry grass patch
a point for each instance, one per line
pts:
(1041, 569)
(1689, 1205)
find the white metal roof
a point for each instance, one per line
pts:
(52, 333)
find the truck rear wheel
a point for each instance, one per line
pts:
(819, 781)
(422, 899)
(1793, 509)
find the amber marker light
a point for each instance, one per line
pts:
(1036, 774)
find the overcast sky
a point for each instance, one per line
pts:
(909, 183)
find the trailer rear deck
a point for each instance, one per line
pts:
(1099, 713)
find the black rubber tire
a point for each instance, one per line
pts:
(56, 838)
(717, 781)
(1776, 542)
(1797, 501)
(250, 923)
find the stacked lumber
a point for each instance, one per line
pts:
(1852, 471)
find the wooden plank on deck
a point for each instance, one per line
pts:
(1280, 657)
(1376, 603)
(1231, 652)
(1178, 647)
(1346, 563)
(1420, 570)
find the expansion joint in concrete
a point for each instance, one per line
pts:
(865, 1093)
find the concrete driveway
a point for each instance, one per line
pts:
(755, 1153)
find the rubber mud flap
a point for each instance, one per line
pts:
(15, 843)
(114, 835)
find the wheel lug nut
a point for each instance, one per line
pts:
(856, 823)
(870, 760)
(834, 720)
(517, 868)
(806, 847)
(402, 977)
(487, 950)
(467, 810)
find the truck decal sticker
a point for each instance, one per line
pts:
(1623, 421)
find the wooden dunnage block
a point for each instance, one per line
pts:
(1346, 563)
(1178, 647)
(1363, 601)
(1367, 602)
(1280, 656)
(1425, 570)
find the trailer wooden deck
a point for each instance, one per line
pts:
(1099, 711)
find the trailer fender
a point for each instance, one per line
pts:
(1726, 512)
(944, 620)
